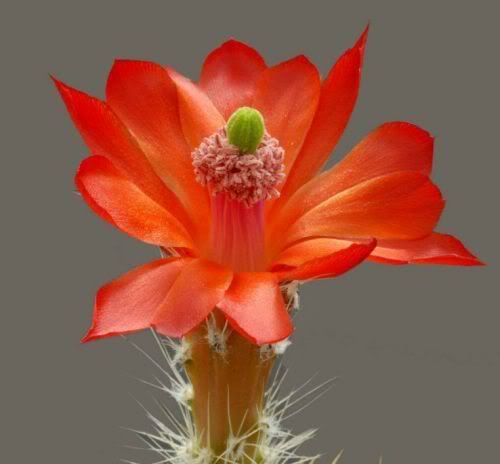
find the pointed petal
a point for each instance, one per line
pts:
(392, 147)
(229, 76)
(199, 117)
(145, 98)
(118, 200)
(198, 289)
(434, 249)
(129, 303)
(255, 308)
(308, 250)
(339, 93)
(287, 96)
(331, 265)
(105, 135)
(401, 205)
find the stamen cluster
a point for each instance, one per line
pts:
(248, 178)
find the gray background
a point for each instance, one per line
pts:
(416, 349)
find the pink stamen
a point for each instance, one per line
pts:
(248, 178)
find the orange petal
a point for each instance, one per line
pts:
(129, 303)
(401, 205)
(119, 201)
(105, 135)
(199, 117)
(254, 306)
(145, 98)
(308, 250)
(392, 147)
(287, 96)
(200, 287)
(329, 266)
(229, 76)
(339, 93)
(434, 249)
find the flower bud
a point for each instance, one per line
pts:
(245, 129)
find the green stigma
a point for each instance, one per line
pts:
(245, 129)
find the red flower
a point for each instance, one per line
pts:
(377, 203)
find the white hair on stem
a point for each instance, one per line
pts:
(217, 337)
(174, 437)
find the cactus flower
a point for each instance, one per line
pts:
(225, 176)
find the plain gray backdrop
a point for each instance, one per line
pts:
(416, 349)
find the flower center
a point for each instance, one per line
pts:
(241, 164)
(245, 177)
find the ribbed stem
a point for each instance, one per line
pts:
(229, 385)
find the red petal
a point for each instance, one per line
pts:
(287, 96)
(308, 250)
(434, 249)
(401, 205)
(199, 117)
(329, 266)
(119, 201)
(198, 289)
(129, 303)
(229, 76)
(106, 136)
(145, 99)
(392, 147)
(255, 308)
(339, 93)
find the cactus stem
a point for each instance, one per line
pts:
(231, 418)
